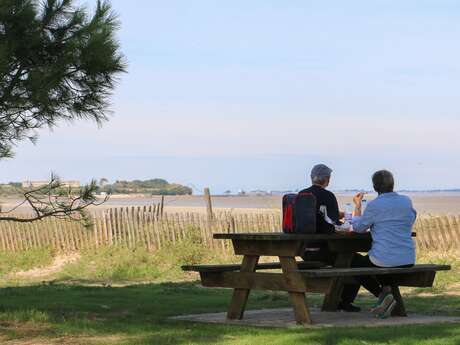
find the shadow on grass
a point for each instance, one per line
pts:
(139, 312)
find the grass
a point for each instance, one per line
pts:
(121, 264)
(20, 261)
(99, 300)
(69, 314)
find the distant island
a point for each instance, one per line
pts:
(155, 186)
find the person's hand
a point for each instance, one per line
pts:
(357, 199)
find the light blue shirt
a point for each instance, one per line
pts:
(390, 218)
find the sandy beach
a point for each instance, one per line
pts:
(424, 202)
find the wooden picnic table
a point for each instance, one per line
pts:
(299, 277)
(287, 246)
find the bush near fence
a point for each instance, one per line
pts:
(148, 227)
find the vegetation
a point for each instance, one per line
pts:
(116, 295)
(57, 63)
(153, 186)
(11, 189)
(11, 262)
(94, 301)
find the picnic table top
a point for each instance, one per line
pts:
(280, 236)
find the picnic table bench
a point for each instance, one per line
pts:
(299, 277)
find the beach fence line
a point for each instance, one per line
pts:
(153, 228)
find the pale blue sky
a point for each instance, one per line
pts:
(249, 94)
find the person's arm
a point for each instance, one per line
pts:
(361, 223)
(357, 200)
(333, 209)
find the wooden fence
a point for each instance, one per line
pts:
(148, 227)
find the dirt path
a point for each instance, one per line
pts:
(42, 272)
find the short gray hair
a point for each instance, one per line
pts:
(320, 170)
(383, 181)
(319, 179)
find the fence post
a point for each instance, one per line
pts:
(207, 199)
(162, 205)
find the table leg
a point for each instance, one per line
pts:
(240, 296)
(400, 309)
(297, 299)
(332, 299)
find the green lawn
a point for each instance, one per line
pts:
(75, 314)
(81, 304)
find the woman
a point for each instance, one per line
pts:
(389, 218)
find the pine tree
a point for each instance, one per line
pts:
(57, 63)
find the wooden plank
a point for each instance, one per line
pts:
(266, 247)
(446, 244)
(332, 299)
(297, 299)
(9, 235)
(451, 234)
(78, 235)
(240, 296)
(417, 279)
(421, 236)
(279, 236)
(3, 237)
(146, 225)
(343, 272)
(433, 242)
(264, 281)
(414, 279)
(72, 235)
(260, 266)
(95, 237)
(112, 227)
(28, 235)
(129, 225)
(18, 235)
(455, 229)
(153, 230)
(57, 237)
(207, 200)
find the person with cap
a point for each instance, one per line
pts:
(320, 177)
(316, 251)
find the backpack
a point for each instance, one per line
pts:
(299, 213)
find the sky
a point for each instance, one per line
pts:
(251, 94)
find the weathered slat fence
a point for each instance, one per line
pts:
(149, 227)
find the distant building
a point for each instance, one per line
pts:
(258, 193)
(282, 192)
(38, 184)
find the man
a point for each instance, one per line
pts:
(317, 251)
(320, 177)
(390, 218)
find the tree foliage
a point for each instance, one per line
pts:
(153, 186)
(58, 63)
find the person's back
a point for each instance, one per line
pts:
(327, 199)
(390, 218)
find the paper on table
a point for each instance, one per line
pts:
(343, 227)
